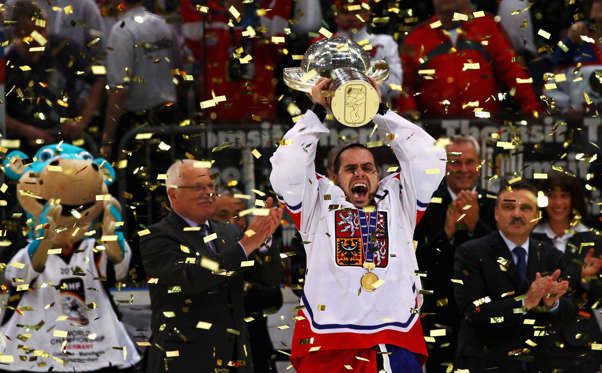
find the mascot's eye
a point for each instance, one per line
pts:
(46, 154)
(86, 156)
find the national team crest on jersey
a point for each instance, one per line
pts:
(349, 247)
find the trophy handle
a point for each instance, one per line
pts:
(294, 77)
(379, 71)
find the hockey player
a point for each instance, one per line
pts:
(361, 297)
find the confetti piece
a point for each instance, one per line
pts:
(544, 34)
(175, 353)
(309, 75)
(514, 180)
(429, 339)
(60, 333)
(256, 153)
(202, 164)
(99, 70)
(433, 171)
(496, 320)
(169, 314)
(209, 264)
(426, 72)
(471, 66)
(437, 333)
(378, 283)
(315, 348)
(247, 263)
(325, 32)
(54, 251)
(6, 359)
(143, 232)
(459, 17)
(524, 81)
(204, 325)
(144, 136)
(278, 39)
(283, 327)
(18, 265)
(38, 37)
(321, 307)
(478, 14)
(529, 321)
(209, 238)
(435, 24)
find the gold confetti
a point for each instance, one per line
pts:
(54, 251)
(321, 307)
(459, 17)
(247, 263)
(496, 320)
(174, 353)
(435, 24)
(39, 38)
(60, 333)
(325, 32)
(315, 348)
(143, 232)
(99, 70)
(433, 171)
(256, 153)
(540, 176)
(524, 81)
(209, 238)
(209, 264)
(169, 314)
(204, 325)
(514, 180)
(544, 34)
(144, 136)
(478, 14)
(278, 39)
(18, 265)
(235, 13)
(437, 332)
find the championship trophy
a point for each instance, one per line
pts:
(353, 99)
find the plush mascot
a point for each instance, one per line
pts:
(64, 320)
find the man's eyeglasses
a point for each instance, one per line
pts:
(198, 187)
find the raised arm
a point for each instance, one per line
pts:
(422, 163)
(293, 174)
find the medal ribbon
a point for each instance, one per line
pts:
(368, 227)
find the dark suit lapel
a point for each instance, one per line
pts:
(504, 258)
(189, 238)
(535, 263)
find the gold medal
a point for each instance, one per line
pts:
(368, 280)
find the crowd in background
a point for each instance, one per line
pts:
(99, 69)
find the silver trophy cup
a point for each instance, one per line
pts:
(353, 99)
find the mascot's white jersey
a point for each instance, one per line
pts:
(332, 228)
(65, 320)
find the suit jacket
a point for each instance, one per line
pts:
(184, 293)
(576, 337)
(435, 253)
(493, 324)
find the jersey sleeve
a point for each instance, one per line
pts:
(422, 164)
(293, 174)
(19, 270)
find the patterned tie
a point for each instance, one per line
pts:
(206, 231)
(521, 265)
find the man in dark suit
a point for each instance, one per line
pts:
(459, 211)
(195, 268)
(506, 286)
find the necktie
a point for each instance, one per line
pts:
(521, 265)
(206, 230)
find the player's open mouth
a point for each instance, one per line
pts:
(359, 190)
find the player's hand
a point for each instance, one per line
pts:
(317, 92)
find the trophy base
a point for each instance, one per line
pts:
(354, 103)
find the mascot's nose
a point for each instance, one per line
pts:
(95, 166)
(55, 162)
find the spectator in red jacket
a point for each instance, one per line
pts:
(457, 64)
